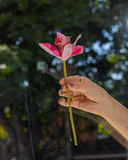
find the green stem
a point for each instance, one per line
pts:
(69, 103)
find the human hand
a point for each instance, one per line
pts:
(84, 94)
(90, 97)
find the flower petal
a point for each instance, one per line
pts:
(60, 35)
(68, 49)
(50, 49)
(77, 38)
(77, 50)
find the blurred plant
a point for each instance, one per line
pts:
(3, 133)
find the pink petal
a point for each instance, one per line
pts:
(77, 38)
(77, 50)
(68, 49)
(60, 35)
(50, 49)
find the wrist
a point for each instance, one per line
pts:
(107, 106)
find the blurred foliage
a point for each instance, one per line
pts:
(3, 133)
(25, 23)
(101, 129)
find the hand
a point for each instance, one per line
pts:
(84, 94)
(90, 97)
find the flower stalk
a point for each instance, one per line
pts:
(64, 52)
(69, 103)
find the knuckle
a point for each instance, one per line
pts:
(84, 80)
(77, 75)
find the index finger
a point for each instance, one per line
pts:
(74, 79)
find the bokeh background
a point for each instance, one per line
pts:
(32, 124)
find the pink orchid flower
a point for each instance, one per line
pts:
(66, 49)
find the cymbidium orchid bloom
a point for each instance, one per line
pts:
(66, 49)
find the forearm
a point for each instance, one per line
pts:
(117, 115)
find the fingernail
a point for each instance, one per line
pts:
(70, 84)
(62, 92)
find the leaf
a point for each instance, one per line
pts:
(58, 73)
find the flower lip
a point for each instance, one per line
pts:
(62, 41)
(57, 41)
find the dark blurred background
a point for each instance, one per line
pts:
(32, 124)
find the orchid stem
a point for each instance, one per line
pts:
(69, 103)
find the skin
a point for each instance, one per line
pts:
(88, 96)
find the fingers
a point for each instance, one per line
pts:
(84, 94)
(88, 106)
(78, 83)
(64, 93)
(63, 102)
(79, 87)
(74, 79)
